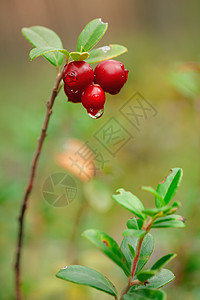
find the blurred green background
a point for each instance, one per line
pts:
(160, 36)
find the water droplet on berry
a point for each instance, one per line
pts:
(95, 113)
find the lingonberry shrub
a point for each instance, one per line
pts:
(78, 77)
(136, 246)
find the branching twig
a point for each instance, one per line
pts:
(29, 187)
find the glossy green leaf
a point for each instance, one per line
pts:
(154, 192)
(174, 221)
(36, 52)
(129, 254)
(130, 202)
(87, 276)
(162, 278)
(132, 250)
(145, 275)
(109, 246)
(145, 294)
(106, 52)
(145, 253)
(77, 56)
(140, 223)
(167, 189)
(91, 35)
(169, 224)
(163, 261)
(133, 232)
(42, 37)
(132, 224)
(155, 211)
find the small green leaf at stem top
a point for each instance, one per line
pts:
(91, 35)
(36, 52)
(132, 224)
(163, 261)
(42, 37)
(167, 189)
(77, 56)
(87, 276)
(109, 246)
(106, 52)
(130, 202)
(154, 192)
(145, 294)
(145, 275)
(155, 211)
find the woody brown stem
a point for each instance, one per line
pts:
(29, 187)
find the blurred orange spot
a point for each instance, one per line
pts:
(78, 159)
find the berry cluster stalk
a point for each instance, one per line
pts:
(29, 187)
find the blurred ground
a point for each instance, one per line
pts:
(158, 35)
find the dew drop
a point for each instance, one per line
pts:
(105, 49)
(95, 113)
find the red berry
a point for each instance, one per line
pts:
(78, 75)
(111, 76)
(73, 95)
(93, 97)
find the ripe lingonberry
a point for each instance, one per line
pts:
(93, 98)
(111, 76)
(73, 95)
(77, 75)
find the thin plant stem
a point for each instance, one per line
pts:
(29, 187)
(147, 227)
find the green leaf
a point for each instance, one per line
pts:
(145, 253)
(132, 224)
(109, 246)
(162, 278)
(169, 224)
(132, 250)
(42, 37)
(163, 261)
(87, 276)
(145, 294)
(91, 35)
(106, 52)
(154, 192)
(128, 252)
(187, 83)
(133, 232)
(140, 223)
(145, 275)
(155, 211)
(77, 56)
(130, 202)
(174, 221)
(36, 52)
(167, 189)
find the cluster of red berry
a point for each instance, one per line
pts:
(82, 84)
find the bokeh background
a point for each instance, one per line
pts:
(161, 37)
